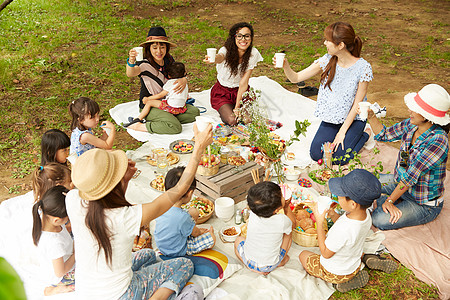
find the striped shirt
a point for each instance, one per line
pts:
(425, 170)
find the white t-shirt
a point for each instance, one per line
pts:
(223, 72)
(264, 238)
(346, 237)
(53, 245)
(174, 99)
(95, 279)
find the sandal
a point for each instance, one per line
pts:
(133, 121)
(376, 262)
(359, 281)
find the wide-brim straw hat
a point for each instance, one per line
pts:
(157, 34)
(98, 171)
(432, 102)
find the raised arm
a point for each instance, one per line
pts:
(107, 144)
(304, 74)
(132, 71)
(161, 204)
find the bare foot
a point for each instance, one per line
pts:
(59, 289)
(368, 130)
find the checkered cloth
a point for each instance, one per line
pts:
(199, 243)
(253, 265)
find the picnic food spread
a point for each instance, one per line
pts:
(203, 207)
(172, 159)
(158, 184)
(236, 160)
(182, 146)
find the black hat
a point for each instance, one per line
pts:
(157, 34)
(359, 185)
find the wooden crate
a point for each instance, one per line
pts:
(228, 183)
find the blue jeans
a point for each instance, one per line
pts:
(148, 276)
(355, 138)
(412, 213)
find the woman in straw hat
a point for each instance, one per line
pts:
(416, 189)
(152, 72)
(105, 224)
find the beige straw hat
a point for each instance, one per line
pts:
(432, 102)
(98, 171)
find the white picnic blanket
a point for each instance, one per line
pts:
(288, 282)
(282, 105)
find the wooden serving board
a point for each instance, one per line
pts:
(227, 183)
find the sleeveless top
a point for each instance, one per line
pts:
(75, 144)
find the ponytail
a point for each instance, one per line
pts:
(53, 203)
(37, 222)
(336, 33)
(46, 177)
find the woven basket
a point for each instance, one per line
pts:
(302, 238)
(205, 218)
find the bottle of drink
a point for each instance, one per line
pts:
(238, 217)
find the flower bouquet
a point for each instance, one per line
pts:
(254, 114)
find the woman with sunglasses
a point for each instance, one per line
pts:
(234, 63)
(415, 192)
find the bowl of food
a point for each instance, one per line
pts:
(204, 206)
(292, 174)
(224, 207)
(230, 233)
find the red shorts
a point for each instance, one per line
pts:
(221, 95)
(173, 110)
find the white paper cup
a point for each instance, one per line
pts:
(363, 109)
(279, 60)
(202, 122)
(211, 52)
(107, 130)
(72, 158)
(140, 53)
(323, 203)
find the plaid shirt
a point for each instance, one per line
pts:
(425, 173)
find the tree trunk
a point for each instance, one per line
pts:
(4, 4)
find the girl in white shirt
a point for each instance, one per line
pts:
(234, 63)
(54, 242)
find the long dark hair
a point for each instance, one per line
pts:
(168, 59)
(52, 141)
(337, 33)
(46, 177)
(53, 203)
(81, 108)
(96, 219)
(232, 56)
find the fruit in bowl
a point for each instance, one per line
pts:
(208, 166)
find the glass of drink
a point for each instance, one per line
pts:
(161, 163)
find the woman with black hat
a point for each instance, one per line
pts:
(415, 192)
(152, 72)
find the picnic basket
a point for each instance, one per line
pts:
(302, 238)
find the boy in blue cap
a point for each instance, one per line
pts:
(341, 250)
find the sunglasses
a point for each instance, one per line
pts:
(241, 36)
(404, 156)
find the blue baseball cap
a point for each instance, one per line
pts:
(359, 185)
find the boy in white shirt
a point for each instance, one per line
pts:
(269, 234)
(341, 250)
